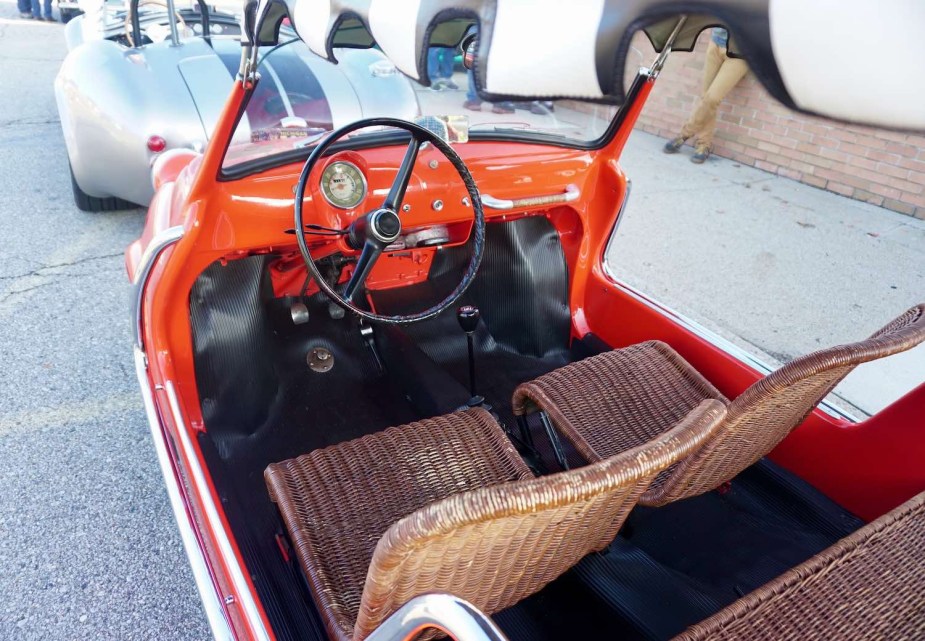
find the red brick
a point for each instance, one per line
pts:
(882, 156)
(904, 185)
(865, 163)
(914, 199)
(895, 136)
(915, 166)
(839, 188)
(844, 135)
(852, 149)
(789, 173)
(815, 181)
(892, 170)
(761, 164)
(817, 129)
(903, 150)
(866, 196)
(886, 191)
(828, 143)
(901, 207)
(871, 142)
(920, 213)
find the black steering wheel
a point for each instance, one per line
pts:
(378, 229)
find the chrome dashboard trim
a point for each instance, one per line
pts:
(712, 337)
(158, 244)
(571, 194)
(459, 619)
(215, 615)
(251, 611)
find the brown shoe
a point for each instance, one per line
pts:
(473, 105)
(701, 153)
(674, 145)
(502, 108)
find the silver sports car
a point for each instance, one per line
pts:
(141, 79)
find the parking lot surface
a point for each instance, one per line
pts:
(88, 545)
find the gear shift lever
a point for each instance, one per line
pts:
(468, 317)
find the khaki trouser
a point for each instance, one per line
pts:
(720, 74)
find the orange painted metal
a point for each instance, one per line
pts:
(225, 221)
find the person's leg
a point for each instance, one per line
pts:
(711, 66)
(48, 13)
(25, 8)
(473, 102)
(37, 9)
(728, 76)
(433, 66)
(446, 67)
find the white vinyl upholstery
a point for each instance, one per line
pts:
(858, 60)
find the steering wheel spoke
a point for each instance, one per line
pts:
(371, 252)
(400, 185)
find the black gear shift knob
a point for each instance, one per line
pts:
(468, 317)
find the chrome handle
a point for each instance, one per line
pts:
(571, 194)
(451, 615)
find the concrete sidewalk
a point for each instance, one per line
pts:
(777, 267)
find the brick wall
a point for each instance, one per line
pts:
(885, 168)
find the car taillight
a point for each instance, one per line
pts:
(157, 144)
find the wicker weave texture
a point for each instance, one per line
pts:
(337, 502)
(868, 586)
(499, 544)
(480, 527)
(617, 400)
(614, 400)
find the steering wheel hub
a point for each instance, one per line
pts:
(385, 226)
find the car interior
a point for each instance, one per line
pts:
(549, 444)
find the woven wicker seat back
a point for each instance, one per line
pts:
(447, 505)
(869, 585)
(619, 399)
(764, 414)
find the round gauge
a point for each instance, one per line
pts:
(343, 184)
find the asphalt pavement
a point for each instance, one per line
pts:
(88, 544)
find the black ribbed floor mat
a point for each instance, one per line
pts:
(675, 565)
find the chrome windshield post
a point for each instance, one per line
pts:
(656, 67)
(458, 619)
(172, 21)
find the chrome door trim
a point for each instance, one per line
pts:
(249, 606)
(158, 244)
(459, 619)
(208, 593)
(571, 194)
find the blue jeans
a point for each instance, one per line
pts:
(471, 95)
(439, 63)
(37, 8)
(25, 6)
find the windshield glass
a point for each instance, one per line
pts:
(300, 97)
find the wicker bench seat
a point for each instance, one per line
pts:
(868, 586)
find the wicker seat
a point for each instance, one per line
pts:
(446, 504)
(619, 399)
(869, 585)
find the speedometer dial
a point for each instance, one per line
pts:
(343, 184)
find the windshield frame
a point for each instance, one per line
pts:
(387, 139)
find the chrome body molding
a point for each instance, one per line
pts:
(158, 244)
(571, 194)
(243, 589)
(459, 619)
(207, 589)
(713, 338)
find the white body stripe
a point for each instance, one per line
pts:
(393, 24)
(859, 60)
(545, 48)
(311, 19)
